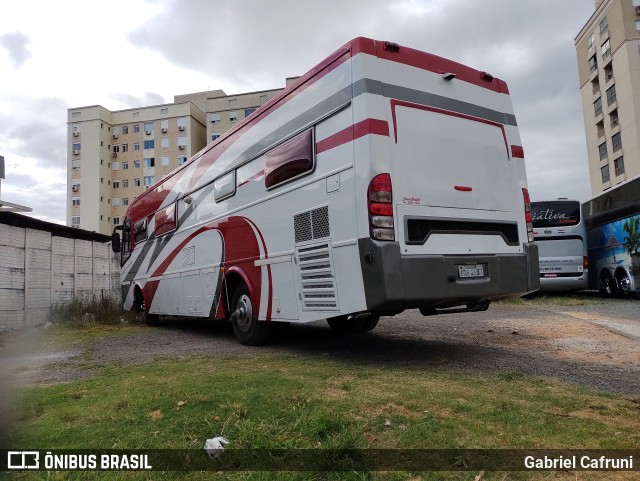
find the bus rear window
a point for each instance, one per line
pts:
(555, 214)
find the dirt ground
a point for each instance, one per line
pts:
(582, 340)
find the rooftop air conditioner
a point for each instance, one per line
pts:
(76, 152)
(181, 128)
(164, 130)
(75, 134)
(147, 132)
(181, 147)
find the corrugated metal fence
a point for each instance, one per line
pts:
(39, 269)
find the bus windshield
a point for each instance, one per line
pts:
(555, 213)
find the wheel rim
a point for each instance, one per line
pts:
(608, 285)
(624, 283)
(244, 313)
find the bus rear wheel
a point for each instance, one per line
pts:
(248, 329)
(607, 286)
(623, 284)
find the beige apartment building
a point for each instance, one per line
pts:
(608, 50)
(113, 156)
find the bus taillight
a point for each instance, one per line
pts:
(585, 263)
(379, 197)
(527, 213)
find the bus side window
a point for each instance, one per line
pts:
(165, 220)
(140, 230)
(225, 186)
(289, 160)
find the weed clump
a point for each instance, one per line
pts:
(105, 309)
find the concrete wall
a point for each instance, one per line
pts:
(39, 270)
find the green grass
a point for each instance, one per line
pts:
(292, 402)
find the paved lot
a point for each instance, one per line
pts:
(583, 340)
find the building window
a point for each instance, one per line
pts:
(591, 41)
(164, 125)
(608, 73)
(125, 201)
(125, 166)
(125, 183)
(595, 86)
(215, 118)
(149, 180)
(618, 164)
(597, 106)
(149, 162)
(182, 143)
(75, 201)
(637, 24)
(165, 161)
(616, 142)
(604, 25)
(116, 201)
(136, 129)
(611, 95)
(76, 147)
(593, 63)
(116, 184)
(602, 148)
(116, 149)
(75, 221)
(604, 171)
(125, 129)
(182, 159)
(233, 116)
(136, 182)
(136, 146)
(613, 117)
(116, 221)
(148, 126)
(125, 147)
(215, 135)
(182, 123)
(164, 110)
(136, 164)
(149, 144)
(165, 143)
(600, 128)
(606, 49)
(248, 112)
(115, 166)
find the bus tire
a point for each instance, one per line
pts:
(623, 284)
(248, 329)
(149, 319)
(607, 286)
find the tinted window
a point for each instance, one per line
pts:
(555, 214)
(289, 160)
(140, 231)
(165, 220)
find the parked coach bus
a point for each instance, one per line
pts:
(560, 233)
(613, 231)
(383, 179)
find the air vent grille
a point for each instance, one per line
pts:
(317, 278)
(311, 225)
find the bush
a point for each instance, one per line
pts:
(94, 310)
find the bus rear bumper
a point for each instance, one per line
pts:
(393, 282)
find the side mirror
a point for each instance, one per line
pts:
(115, 242)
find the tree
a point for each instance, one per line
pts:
(632, 241)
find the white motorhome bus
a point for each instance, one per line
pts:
(561, 235)
(383, 179)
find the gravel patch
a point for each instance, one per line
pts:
(538, 337)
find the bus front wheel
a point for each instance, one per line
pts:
(248, 329)
(149, 319)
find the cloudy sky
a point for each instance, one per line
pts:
(132, 53)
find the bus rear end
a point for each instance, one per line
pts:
(447, 198)
(560, 234)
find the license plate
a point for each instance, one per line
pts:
(472, 270)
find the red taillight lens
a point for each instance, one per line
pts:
(380, 202)
(528, 217)
(585, 262)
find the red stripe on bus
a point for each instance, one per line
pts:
(365, 127)
(463, 188)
